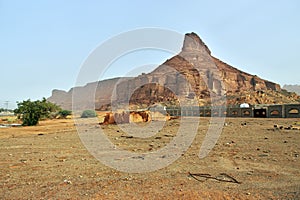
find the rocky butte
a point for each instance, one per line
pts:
(193, 74)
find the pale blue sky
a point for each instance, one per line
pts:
(44, 43)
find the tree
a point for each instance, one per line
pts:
(30, 112)
(88, 113)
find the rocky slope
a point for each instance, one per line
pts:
(193, 75)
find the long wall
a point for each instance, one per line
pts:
(267, 111)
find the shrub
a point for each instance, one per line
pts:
(64, 113)
(88, 113)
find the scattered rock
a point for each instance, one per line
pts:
(68, 182)
(263, 155)
(127, 136)
(168, 135)
(138, 157)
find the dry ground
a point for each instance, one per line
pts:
(50, 162)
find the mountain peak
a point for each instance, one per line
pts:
(193, 42)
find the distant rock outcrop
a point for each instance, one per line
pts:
(292, 88)
(193, 74)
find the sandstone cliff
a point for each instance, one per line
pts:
(102, 94)
(193, 74)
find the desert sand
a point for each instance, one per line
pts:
(252, 160)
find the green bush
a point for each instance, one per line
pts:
(88, 113)
(64, 113)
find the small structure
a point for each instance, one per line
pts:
(244, 105)
(292, 110)
(260, 111)
(275, 111)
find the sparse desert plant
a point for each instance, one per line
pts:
(88, 113)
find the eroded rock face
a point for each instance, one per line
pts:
(101, 91)
(193, 74)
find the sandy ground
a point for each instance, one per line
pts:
(49, 161)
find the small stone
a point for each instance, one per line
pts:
(68, 182)
(263, 155)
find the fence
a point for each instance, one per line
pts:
(267, 111)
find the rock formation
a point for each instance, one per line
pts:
(193, 74)
(292, 88)
(102, 94)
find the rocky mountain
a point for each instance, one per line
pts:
(292, 88)
(194, 75)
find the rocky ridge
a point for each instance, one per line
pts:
(194, 75)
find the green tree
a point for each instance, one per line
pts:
(30, 112)
(88, 113)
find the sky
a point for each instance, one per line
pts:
(43, 44)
